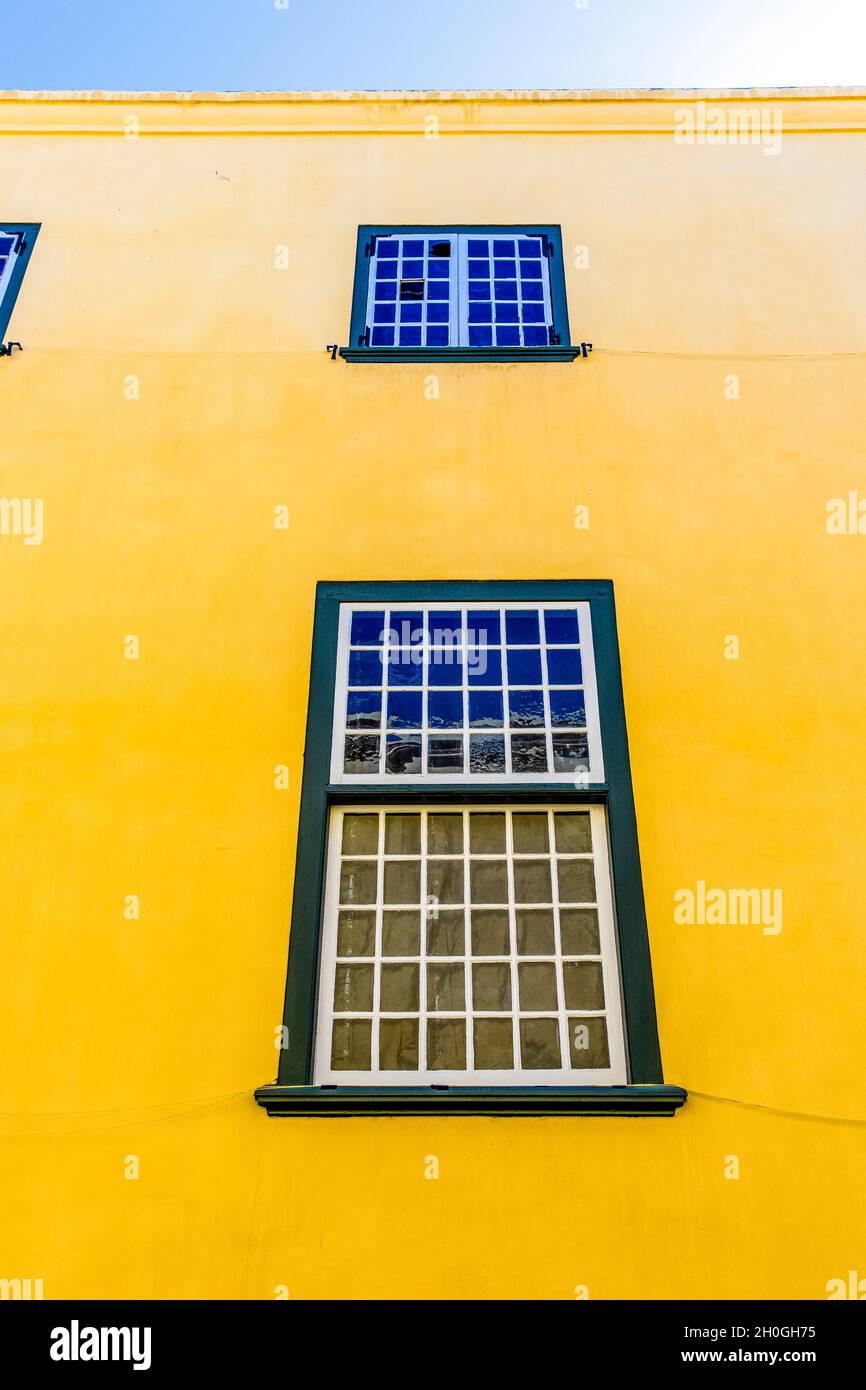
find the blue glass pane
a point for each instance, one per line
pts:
(412, 270)
(567, 709)
(403, 755)
(479, 270)
(560, 626)
(404, 668)
(437, 313)
(484, 666)
(386, 249)
(386, 290)
(521, 627)
(445, 626)
(411, 313)
(570, 751)
(524, 668)
(438, 270)
(536, 337)
(485, 709)
(445, 709)
(413, 248)
(367, 630)
(365, 668)
(563, 666)
(532, 290)
(445, 667)
(505, 289)
(483, 627)
(533, 313)
(410, 337)
(507, 269)
(529, 249)
(526, 709)
(361, 753)
(508, 337)
(480, 313)
(385, 313)
(480, 337)
(439, 250)
(445, 755)
(386, 270)
(477, 247)
(479, 289)
(486, 753)
(383, 337)
(528, 753)
(530, 270)
(363, 709)
(407, 627)
(506, 313)
(437, 337)
(439, 289)
(404, 709)
(503, 248)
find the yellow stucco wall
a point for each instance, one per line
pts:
(155, 777)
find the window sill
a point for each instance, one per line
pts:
(328, 1101)
(427, 354)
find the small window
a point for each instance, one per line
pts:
(486, 292)
(16, 244)
(468, 929)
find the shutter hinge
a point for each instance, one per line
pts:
(547, 245)
(6, 349)
(370, 248)
(20, 244)
(553, 337)
(364, 338)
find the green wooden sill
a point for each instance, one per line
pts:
(491, 354)
(470, 1100)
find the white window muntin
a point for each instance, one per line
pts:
(7, 258)
(595, 773)
(614, 1074)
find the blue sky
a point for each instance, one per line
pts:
(321, 44)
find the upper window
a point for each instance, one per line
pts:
(467, 927)
(16, 243)
(441, 292)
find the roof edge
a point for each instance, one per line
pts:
(614, 94)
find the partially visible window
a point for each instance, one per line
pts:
(16, 244)
(9, 244)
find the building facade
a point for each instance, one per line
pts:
(575, 970)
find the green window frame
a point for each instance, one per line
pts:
(26, 234)
(294, 1093)
(558, 349)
